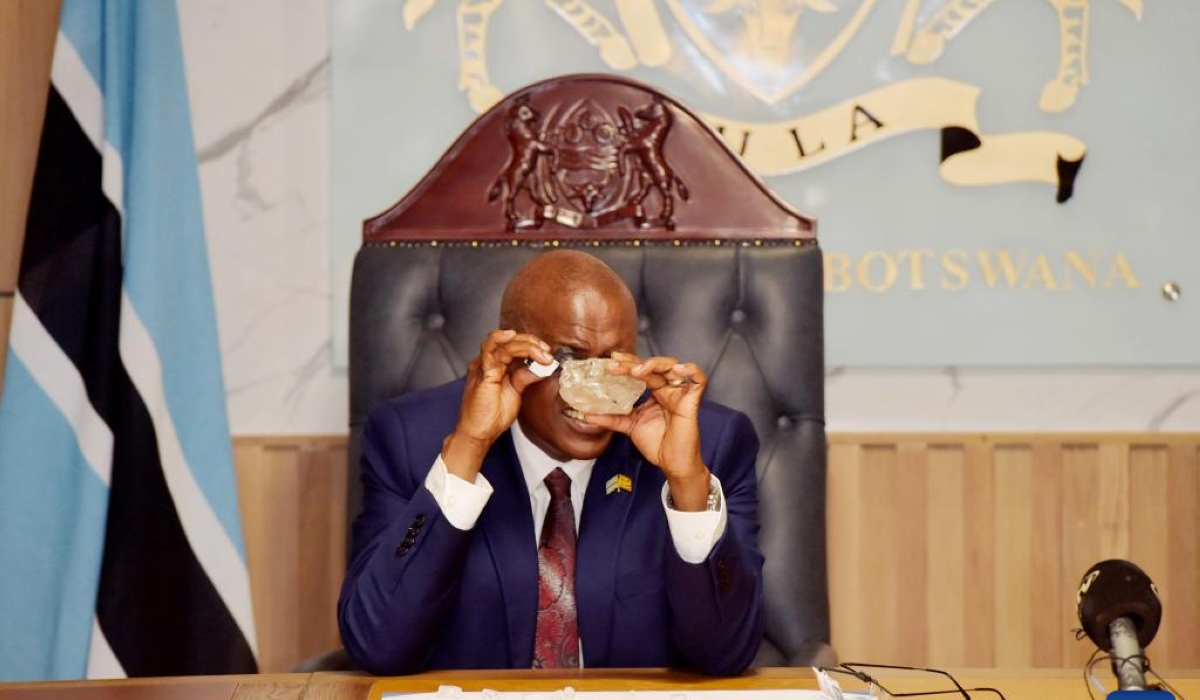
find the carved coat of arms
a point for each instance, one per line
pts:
(584, 167)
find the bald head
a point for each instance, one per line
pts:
(575, 303)
(562, 277)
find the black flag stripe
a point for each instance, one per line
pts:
(156, 605)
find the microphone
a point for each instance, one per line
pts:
(1120, 611)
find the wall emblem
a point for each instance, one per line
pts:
(761, 45)
(773, 48)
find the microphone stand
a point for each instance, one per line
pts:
(1127, 656)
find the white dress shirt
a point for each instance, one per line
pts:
(462, 502)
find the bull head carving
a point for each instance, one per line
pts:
(768, 25)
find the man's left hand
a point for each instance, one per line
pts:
(664, 428)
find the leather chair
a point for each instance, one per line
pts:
(725, 274)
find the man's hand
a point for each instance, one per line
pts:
(664, 428)
(492, 397)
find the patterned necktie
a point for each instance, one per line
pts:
(556, 644)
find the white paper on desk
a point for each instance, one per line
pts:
(617, 695)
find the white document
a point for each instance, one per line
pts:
(454, 693)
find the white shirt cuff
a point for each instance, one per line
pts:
(695, 533)
(461, 501)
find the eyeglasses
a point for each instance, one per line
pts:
(876, 688)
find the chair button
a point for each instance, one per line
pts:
(738, 317)
(643, 324)
(435, 321)
(784, 422)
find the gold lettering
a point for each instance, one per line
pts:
(916, 268)
(1006, 266)
(890, 271)
(954, 262)
(837, 273)
(1121, 268)
(856, 121)
(1075, 261)
(1040, 272)
(800, 144)
(879, 271)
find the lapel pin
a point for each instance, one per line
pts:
(620, 482)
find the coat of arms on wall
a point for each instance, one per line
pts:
(773, 48)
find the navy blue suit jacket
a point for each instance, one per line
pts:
(422, 594)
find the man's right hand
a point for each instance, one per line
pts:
(492, 398)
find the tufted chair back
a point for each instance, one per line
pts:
(724, 274)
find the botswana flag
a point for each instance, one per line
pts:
(120, 542)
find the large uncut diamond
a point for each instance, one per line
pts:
(588, 387)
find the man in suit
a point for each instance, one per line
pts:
(503, 529)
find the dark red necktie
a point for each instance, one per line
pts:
(556, 644)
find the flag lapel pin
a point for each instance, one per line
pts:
(620, 482)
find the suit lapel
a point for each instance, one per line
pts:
(508, 523)
(603, 524)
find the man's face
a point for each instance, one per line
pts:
(586, 325)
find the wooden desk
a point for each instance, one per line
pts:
(337, 685)
(1015, 684)
(281, 686)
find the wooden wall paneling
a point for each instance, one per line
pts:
(877, 513)
(953, 550)
(979, 502)
(946, 591)
(27, 31)
(1013, 573)
(256, 511)
(282, 473)
(1182, 579)
(1149, 533)
(845, 536)
(292, 496)
(909, 555)
(323, 551)
(892, 555)
(1095, 522)
(1112, 472)
(270, 502)
(5, 321)
(1081, 540)
(1050, 592)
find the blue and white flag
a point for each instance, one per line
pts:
(121, 551)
